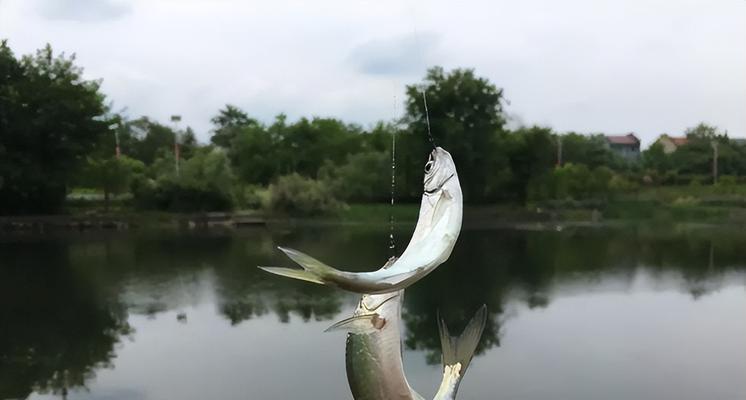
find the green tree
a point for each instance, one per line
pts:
(532, 154)
(655, 158)
(253, 153)
(365, 177)
(111, 175)
(152, 140)
(582, 149)
(209, 166)
(50, 119)
(261, 153)
(227, 123)
(466, 118)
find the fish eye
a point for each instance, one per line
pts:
(429, 166)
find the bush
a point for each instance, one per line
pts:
(363, 178)
(252, 197)
(168, 195)
(299, 196)
(572, 182)
(205, 183)
(620, 184)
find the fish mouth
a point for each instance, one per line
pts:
(429, 192)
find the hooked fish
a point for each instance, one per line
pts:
(373, 355)
(438, 227)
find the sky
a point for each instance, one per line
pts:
(611, 66)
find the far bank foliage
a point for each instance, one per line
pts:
(57, 134)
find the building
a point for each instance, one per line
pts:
(670, 143)
(627, 146)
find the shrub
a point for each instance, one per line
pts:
(299, 196)
(363, 178)
(252, 197)
(168, 195)
(620, 184)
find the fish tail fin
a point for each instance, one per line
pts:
(458, 352)
(313, 270)
(460, 349)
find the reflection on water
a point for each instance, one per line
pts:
(585, 313)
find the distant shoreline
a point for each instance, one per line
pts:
(376, 215)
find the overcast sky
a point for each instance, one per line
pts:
(646, 66)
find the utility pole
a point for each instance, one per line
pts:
(175, 119)
(117, 150)
(714, 162)
(559, 151)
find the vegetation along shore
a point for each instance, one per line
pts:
(64, 151)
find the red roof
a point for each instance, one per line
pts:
(628, 139)
(679, 141)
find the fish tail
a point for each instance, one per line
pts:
(313, 270)
(459, 350)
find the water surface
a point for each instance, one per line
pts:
(591, 313)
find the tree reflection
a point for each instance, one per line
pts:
(496, 267)
(55, 329)
(64, 302)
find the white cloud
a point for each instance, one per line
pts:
(82, 10)
(402, 55)
(648, 66)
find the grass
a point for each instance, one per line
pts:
(712, 204)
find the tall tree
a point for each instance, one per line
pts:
(466, 118)
(532, 155)
(51, 118)
(227, 124)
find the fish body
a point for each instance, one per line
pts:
(438, 227)
(373, 353)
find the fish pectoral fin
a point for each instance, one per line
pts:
(360, 324)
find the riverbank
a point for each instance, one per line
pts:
(642, 208)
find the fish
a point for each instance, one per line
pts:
(373, 352)
(458, 352)
(438, 227)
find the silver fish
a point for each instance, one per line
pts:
(374, 355)
(438, 227)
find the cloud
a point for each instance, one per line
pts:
(647, 66)
(400, 55)
(83, 10)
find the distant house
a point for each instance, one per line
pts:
(670, 143)
(739, 141)
(627, 146)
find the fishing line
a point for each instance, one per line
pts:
(420, 56)
(392, 241)
(427, 120)
(431, 139)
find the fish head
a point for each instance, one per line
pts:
(374, 314)
(385, 305)
(440, 172)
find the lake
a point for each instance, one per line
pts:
(575, 313)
